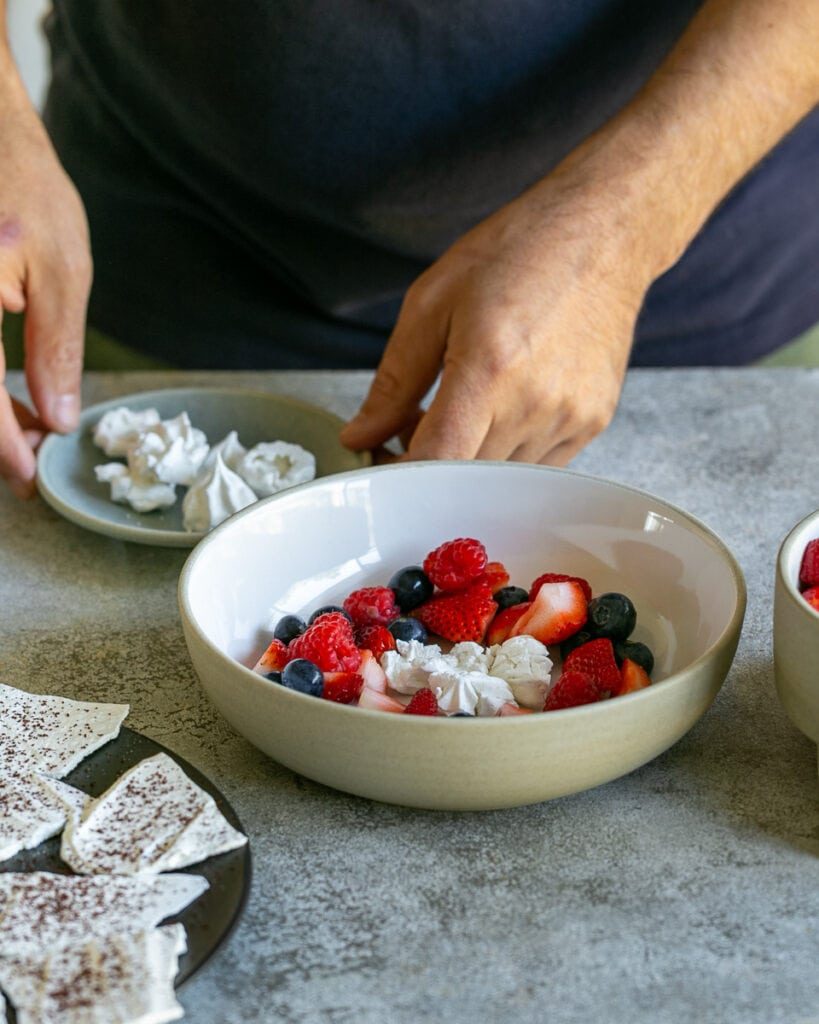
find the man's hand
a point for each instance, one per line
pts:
(45, 270)
(531, 314)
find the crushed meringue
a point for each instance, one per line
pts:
(142, 495)
(170, 452)
(409, 667)
(128, 977)
(272, 466)
(40, 910)
(119, 429)
(154, 818)
(524, 663)
(215, 494)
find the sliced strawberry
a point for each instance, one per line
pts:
(809, 570)
(812, 597)
(633, 677)
(559, 577)
(596, 661)
(572, 690)
(422, 703)
(372, 673)
(459, 617)
(558, 611)
(379, 702)
(509, 710)
(342, 687)
(496, 576)
(500, 628)
(377, 639)
(274, 658)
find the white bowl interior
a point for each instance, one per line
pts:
(313, 545)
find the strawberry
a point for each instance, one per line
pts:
(509, 710)
(377, 639)
(812, 597)
(456, 564)
(461, 616)
(328, 643)
(596, 661)
(558, 611)
(495, 575)
(379, 702)
(572, 690)
(558, 577)
(422, 703)
(274, 658)
(501, 626)
(632, 678)
(342, 687)
(809, 570)
(372, 673)
(372, 605)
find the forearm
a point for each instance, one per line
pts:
(743, 74)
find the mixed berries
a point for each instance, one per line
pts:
(459, 597)
(809, 574)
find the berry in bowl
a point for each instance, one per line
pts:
(454, 638)
(796, 625)
(646, 601)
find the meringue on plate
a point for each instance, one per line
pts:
(216, 493)
(272, 466)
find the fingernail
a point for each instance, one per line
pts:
(65, 412)
(352, 426)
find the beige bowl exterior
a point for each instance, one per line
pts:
(796, 633)
(460, 764)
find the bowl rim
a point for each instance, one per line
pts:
(676, 679)
(785, 551)
(147, 534)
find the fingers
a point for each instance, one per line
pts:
(17, 462)
(408, 368)
(54, 329)
(457, 421)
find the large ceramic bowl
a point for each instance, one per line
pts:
(311, 546)
(796, 633)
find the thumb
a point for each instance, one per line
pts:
(54, 334)
(408, 369)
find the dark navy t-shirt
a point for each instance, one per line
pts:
(265, 178)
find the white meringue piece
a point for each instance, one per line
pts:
(454, 691)
(119, 429)
(470, 657)
(171, 452)
(142, 495)
(231, 450)
(524, 663)
(215, 494)
(492, 692)
(272, 466)
(409, 667)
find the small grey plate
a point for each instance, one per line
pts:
(208, 920)
(65, 463)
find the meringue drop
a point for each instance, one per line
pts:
(214, 495)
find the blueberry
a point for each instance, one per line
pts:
(612, 616)
(636, 652)
(323, 611)
(408, 629)
(508, 596)
(305, 677)
(411, 587)
(288, 628)
(462, 714)
(274, 677)
(574, 642)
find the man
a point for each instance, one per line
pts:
(267, 183)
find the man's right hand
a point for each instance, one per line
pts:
(45, 271)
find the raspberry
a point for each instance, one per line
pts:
(328, 643)
(372, 605)
(377, 639)
(423, 703)
(455, 564)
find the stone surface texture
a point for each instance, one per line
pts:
(688, 890)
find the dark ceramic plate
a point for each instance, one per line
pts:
(208, 920)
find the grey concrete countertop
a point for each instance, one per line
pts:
(687, 891)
